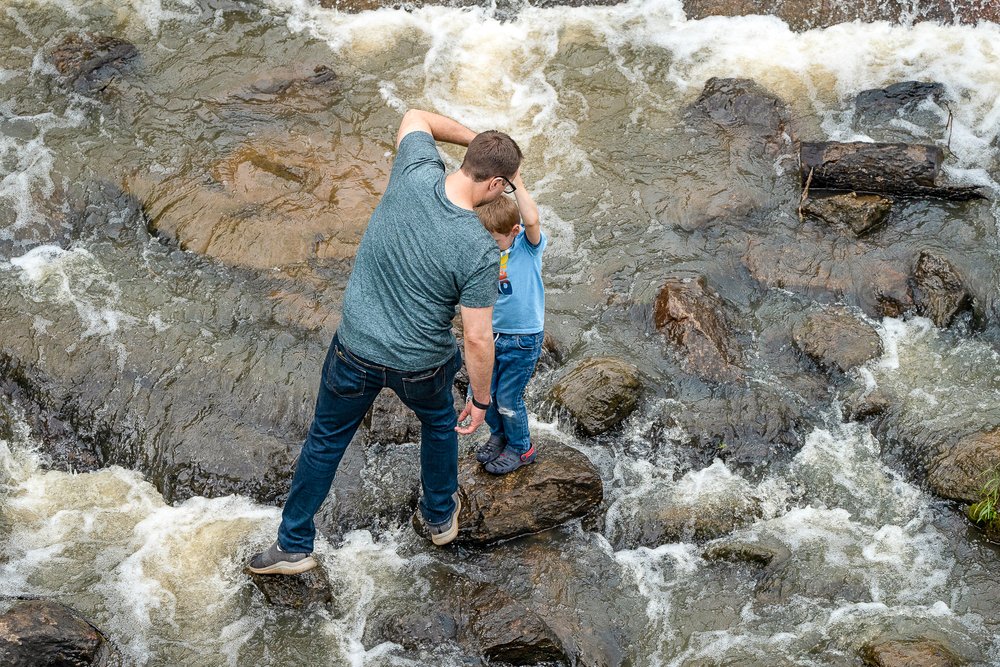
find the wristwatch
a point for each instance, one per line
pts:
(481, 406)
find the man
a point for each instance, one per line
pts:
(424, 252)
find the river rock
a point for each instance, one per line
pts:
(479, 617)
(938, 290)
(861, 213)
(684, 522)
(43, 633)
(835, 339)
(808, 14)
(908, 653)
(553, 353)
(599, 393)
(960, 470)
(89, 62)
(744, 108)
(750, 427)
(390, 422)
(294, 591)
(275, 201)
(560, 486)
(905, 111)
(697, 323)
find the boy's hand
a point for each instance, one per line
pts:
(478, 417)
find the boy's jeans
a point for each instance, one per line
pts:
(348, 388)
(507, 416)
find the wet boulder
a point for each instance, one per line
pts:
(908, 653)
(478, 617)
(295, 591)
(43, 633)
(939, 292)
(390, 422)
(746, 427)
(553, 353)
(837, 340)
(560, 486)
(89, 62)
(745, 108)
(698, 325)
(960, 470)
(903, 111)
(273, 202)
(599, 393)
(860, 213)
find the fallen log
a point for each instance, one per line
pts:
(899, 169)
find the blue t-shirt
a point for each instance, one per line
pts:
(520, 306)
(420, 257)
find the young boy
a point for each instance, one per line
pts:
(518, 321)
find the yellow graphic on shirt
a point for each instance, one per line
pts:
(504, 286)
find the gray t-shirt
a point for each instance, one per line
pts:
(420, 256)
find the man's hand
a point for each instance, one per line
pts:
(478, 417)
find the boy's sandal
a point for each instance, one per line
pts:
(490, 449)
(509, 461)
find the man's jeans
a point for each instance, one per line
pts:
(348, 388)
(514, 364)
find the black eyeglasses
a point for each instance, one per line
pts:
(511, 188)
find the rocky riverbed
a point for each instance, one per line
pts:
(765, 404)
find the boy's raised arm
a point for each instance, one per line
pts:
(440, 127)
(529, 211)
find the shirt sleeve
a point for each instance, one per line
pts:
(480, 290)
(536, 249)
(417, 157)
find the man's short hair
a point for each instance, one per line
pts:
(491, 154)
(500, 215)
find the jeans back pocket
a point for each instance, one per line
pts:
(344, 378)
(425, 385)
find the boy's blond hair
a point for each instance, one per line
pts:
(500, 215)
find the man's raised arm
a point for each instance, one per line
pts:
(440, 127)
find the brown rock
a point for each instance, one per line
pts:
(862, 213)
(89, 61)
(837, 340)
(43, 633)
(938, 290)
(507, 631)
(274, 202)
(908, 653)
(598, 393)
(697, 522)
(560, 486)
(960, 470)
(696, 322)
(295, 591)
(742, 106)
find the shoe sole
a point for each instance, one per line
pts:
(444, 538)
(286, 567)
(507, 472)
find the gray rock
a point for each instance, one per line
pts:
(390, 422)
(699, 522)
(938, 290)
(89, 62)
(742, 106)
(888, 114)
(861, 213)
(835, 339)
(599, 393)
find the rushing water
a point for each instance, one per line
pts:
(629, 191)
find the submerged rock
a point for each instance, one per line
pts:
(688, 522)
(938, 290)
(89, 62)
(861, 213)
(43, 633)
(697, 323)
(598, 393)
(295, 591)
(560, 486)
(745, 107)
(908, 653)
(836, 339)
(960, 470)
